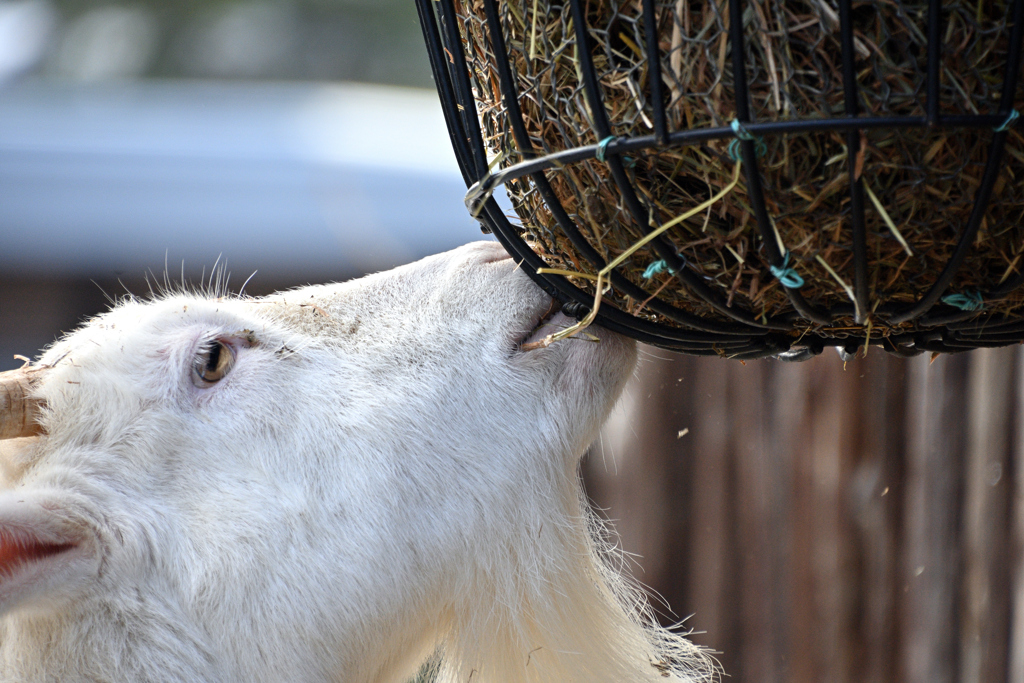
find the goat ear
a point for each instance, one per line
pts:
(43, 552)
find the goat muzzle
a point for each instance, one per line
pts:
(19, 410)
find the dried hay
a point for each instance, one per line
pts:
(919, 183)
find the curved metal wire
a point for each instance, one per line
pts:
(946, 330)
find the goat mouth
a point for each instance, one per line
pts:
(548, 322)
(16, 553)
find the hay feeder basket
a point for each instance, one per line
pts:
(808, 106)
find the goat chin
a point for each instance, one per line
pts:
(336, 483)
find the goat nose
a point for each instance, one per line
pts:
(490, 252)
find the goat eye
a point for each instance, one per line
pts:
(212, 363)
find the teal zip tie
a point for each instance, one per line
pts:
(968, 301)
(655, 268)
(760, 148)
(741, 131)
(660, 266)
(788, 277)
(1010, 118)
(602, 147)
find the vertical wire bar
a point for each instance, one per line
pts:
(667, 252)
(1005, 106)
(992, 168)
(654, 72)
(860, 246)
(739, 67)
(1009, 91)
(510, 98)
(460, 69)
(435, 52)
(934, 59)
(753, 174)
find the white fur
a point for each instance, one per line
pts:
(383, 476)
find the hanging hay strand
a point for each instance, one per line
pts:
(920, 182)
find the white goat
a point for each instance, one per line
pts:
(329, 484)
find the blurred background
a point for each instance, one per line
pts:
(826, 521)
(300, 141)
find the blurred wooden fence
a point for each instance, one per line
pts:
(823, 524)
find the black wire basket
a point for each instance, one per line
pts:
(559, 103)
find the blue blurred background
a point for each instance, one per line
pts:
(301, 141)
